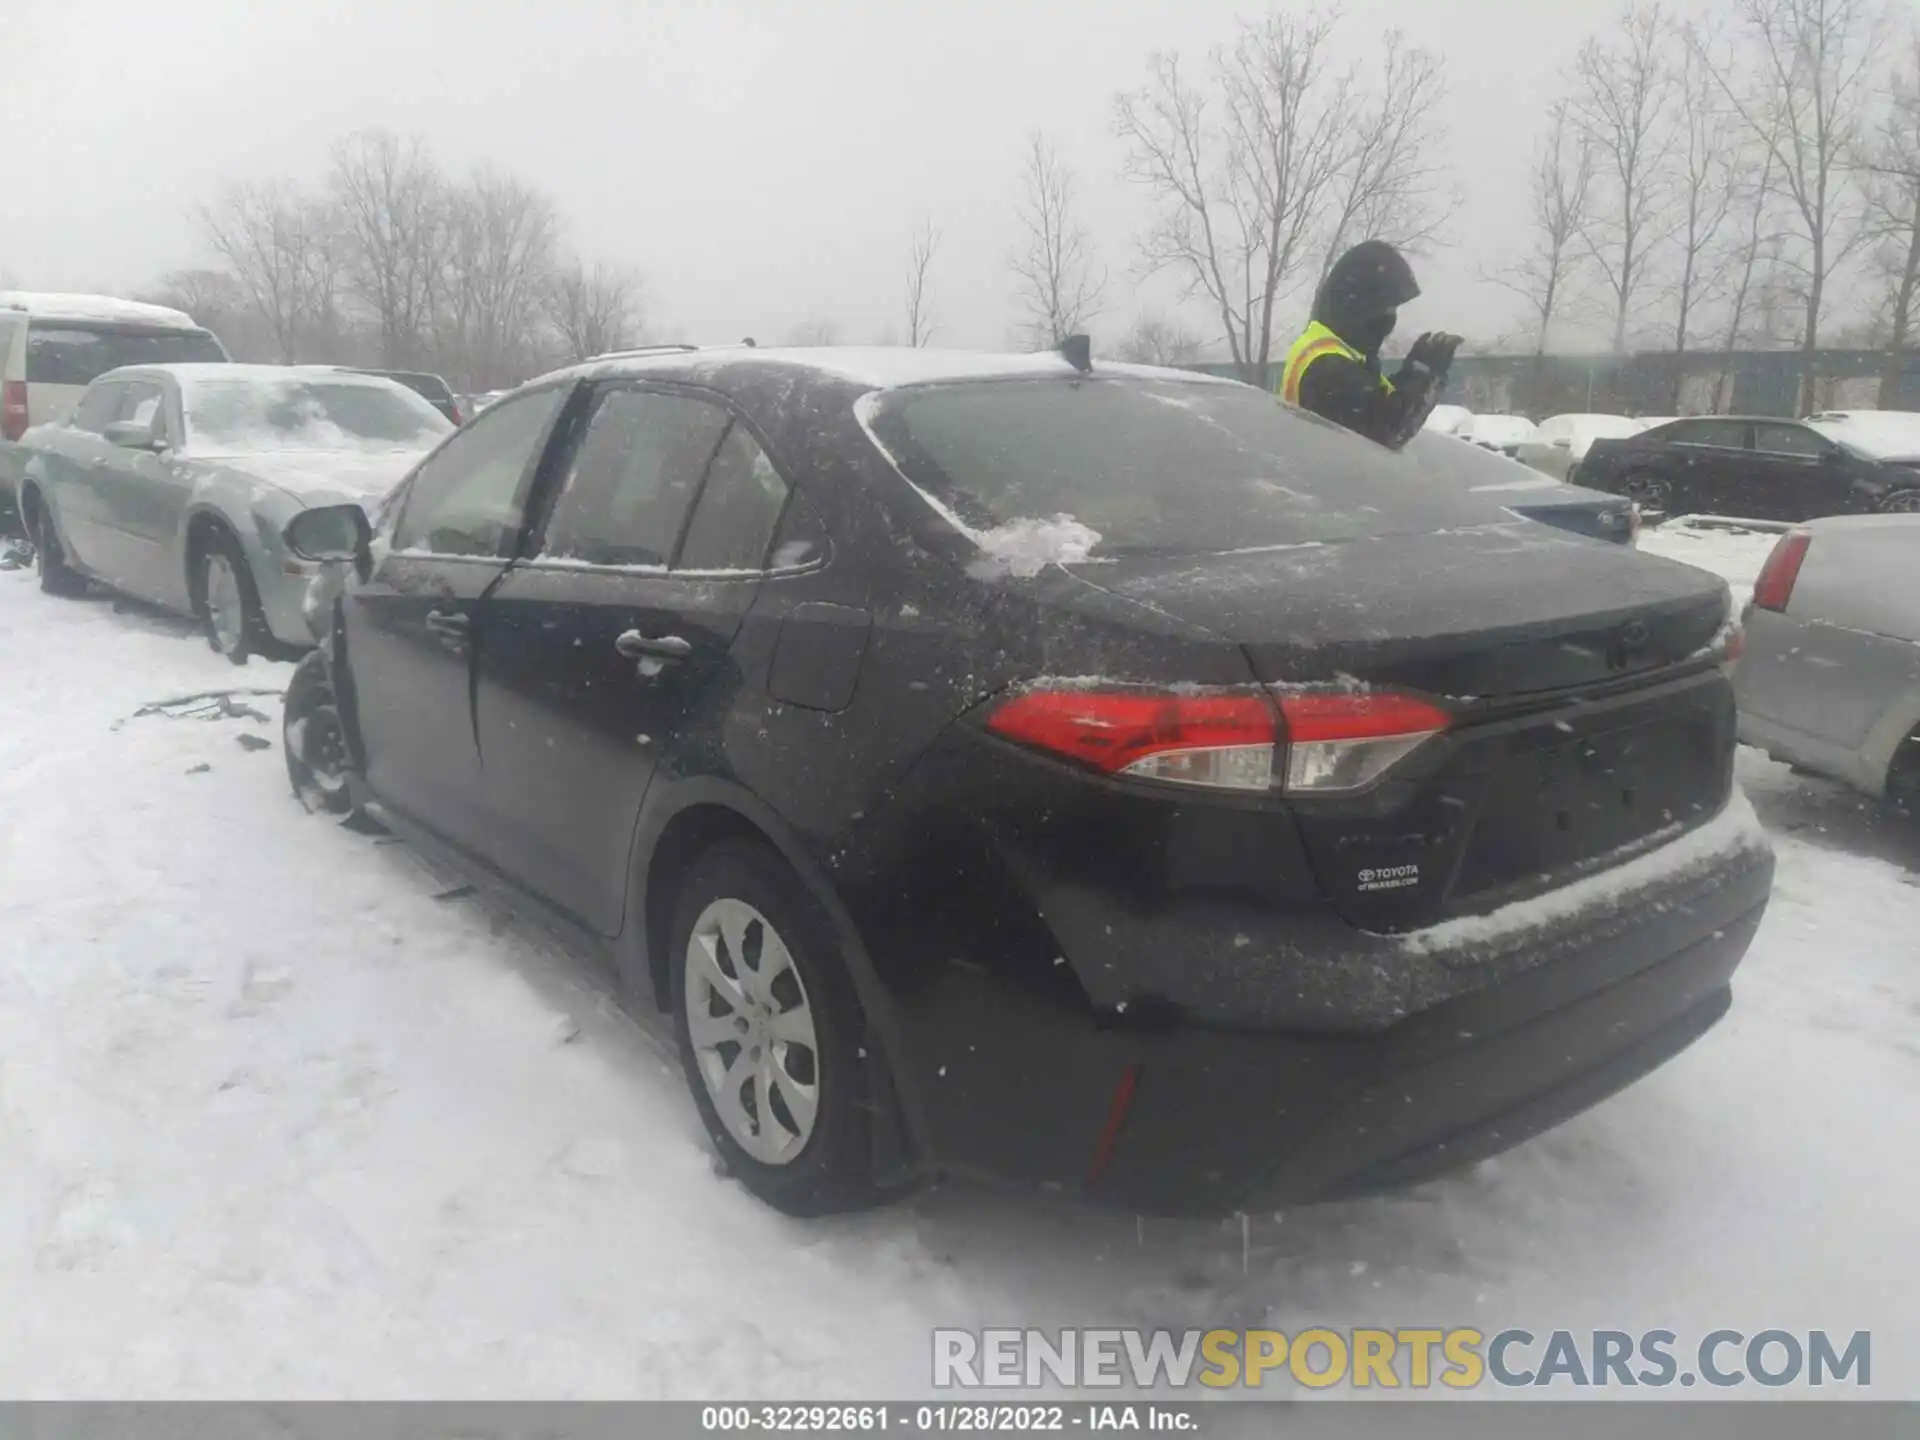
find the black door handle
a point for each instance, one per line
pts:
(635, 646)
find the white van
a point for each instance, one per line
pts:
(52, 347)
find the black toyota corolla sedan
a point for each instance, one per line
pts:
(1098, 777)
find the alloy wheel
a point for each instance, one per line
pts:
(752, 1028)
(1901, 502)
(226, 610)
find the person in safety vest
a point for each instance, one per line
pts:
(1333, 369)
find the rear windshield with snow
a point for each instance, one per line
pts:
(1159, 466)
(256, 415)
(62, 353)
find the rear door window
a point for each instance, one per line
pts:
(632, 478)
(59, 353)
(738, 510)
(1793, 440)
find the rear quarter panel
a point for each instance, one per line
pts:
(1842, 667)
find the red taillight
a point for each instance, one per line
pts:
(1333, 741)
(1775, 586)
(1225, 741)
(1345, 740)
(13, 409)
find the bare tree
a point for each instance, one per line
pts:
(277, 247)
(497, 255)
(217, 300)
(1277, 157)
(1890, 161)
(1059, 284)
(1621, 106)
(1560, 192)
(818, 330)
(594, 310)
(1803, 98)
(921, 249)
(1393, 185)
(1706, 162)
(390, 198)
(1159, 340)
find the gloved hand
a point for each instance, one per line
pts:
(1434, 350)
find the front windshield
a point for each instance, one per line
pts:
(242, 415)
(1164, 466)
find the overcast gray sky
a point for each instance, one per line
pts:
(760, 162)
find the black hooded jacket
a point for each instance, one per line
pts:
(1358, 301)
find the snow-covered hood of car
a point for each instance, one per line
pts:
(323, 477)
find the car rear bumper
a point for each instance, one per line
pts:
(1145, 1112)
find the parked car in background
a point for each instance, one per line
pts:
(52, 347)
(1753, 467)
(1830, 679)
(749, 669)
(172, 483)
(430, 388)
(1560, 442)
(1527, 494)
(1502, 433)
(1448, 420)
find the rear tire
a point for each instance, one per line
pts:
(1903, 779)
(49, 559)
(228, 601)
(769, 1030)
(1901, 502)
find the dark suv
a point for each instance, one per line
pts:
(1113, 780)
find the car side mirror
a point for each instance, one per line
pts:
(1563, 443)
(1832, 457)
(132, 435)
(329, 533)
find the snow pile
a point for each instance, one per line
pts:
(1026, 547)
(1737, 555)
(1735, 830)
(1495, 431)
(1448, 419)
(98, 309)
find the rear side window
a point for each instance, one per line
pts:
(63, 354)
(738, 510)
(1163, 466)
(632, 478)
(1789, 440)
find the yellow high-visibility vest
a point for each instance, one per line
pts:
(1316, 340)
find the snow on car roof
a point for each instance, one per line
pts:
(884, 367)
(193, 372)
(97, 309)
(1885, 434)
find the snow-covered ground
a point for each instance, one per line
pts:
(276, 1121)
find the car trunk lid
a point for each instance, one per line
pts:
(1581, 735)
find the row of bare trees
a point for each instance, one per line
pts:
(1718, 177)
(394, 262)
